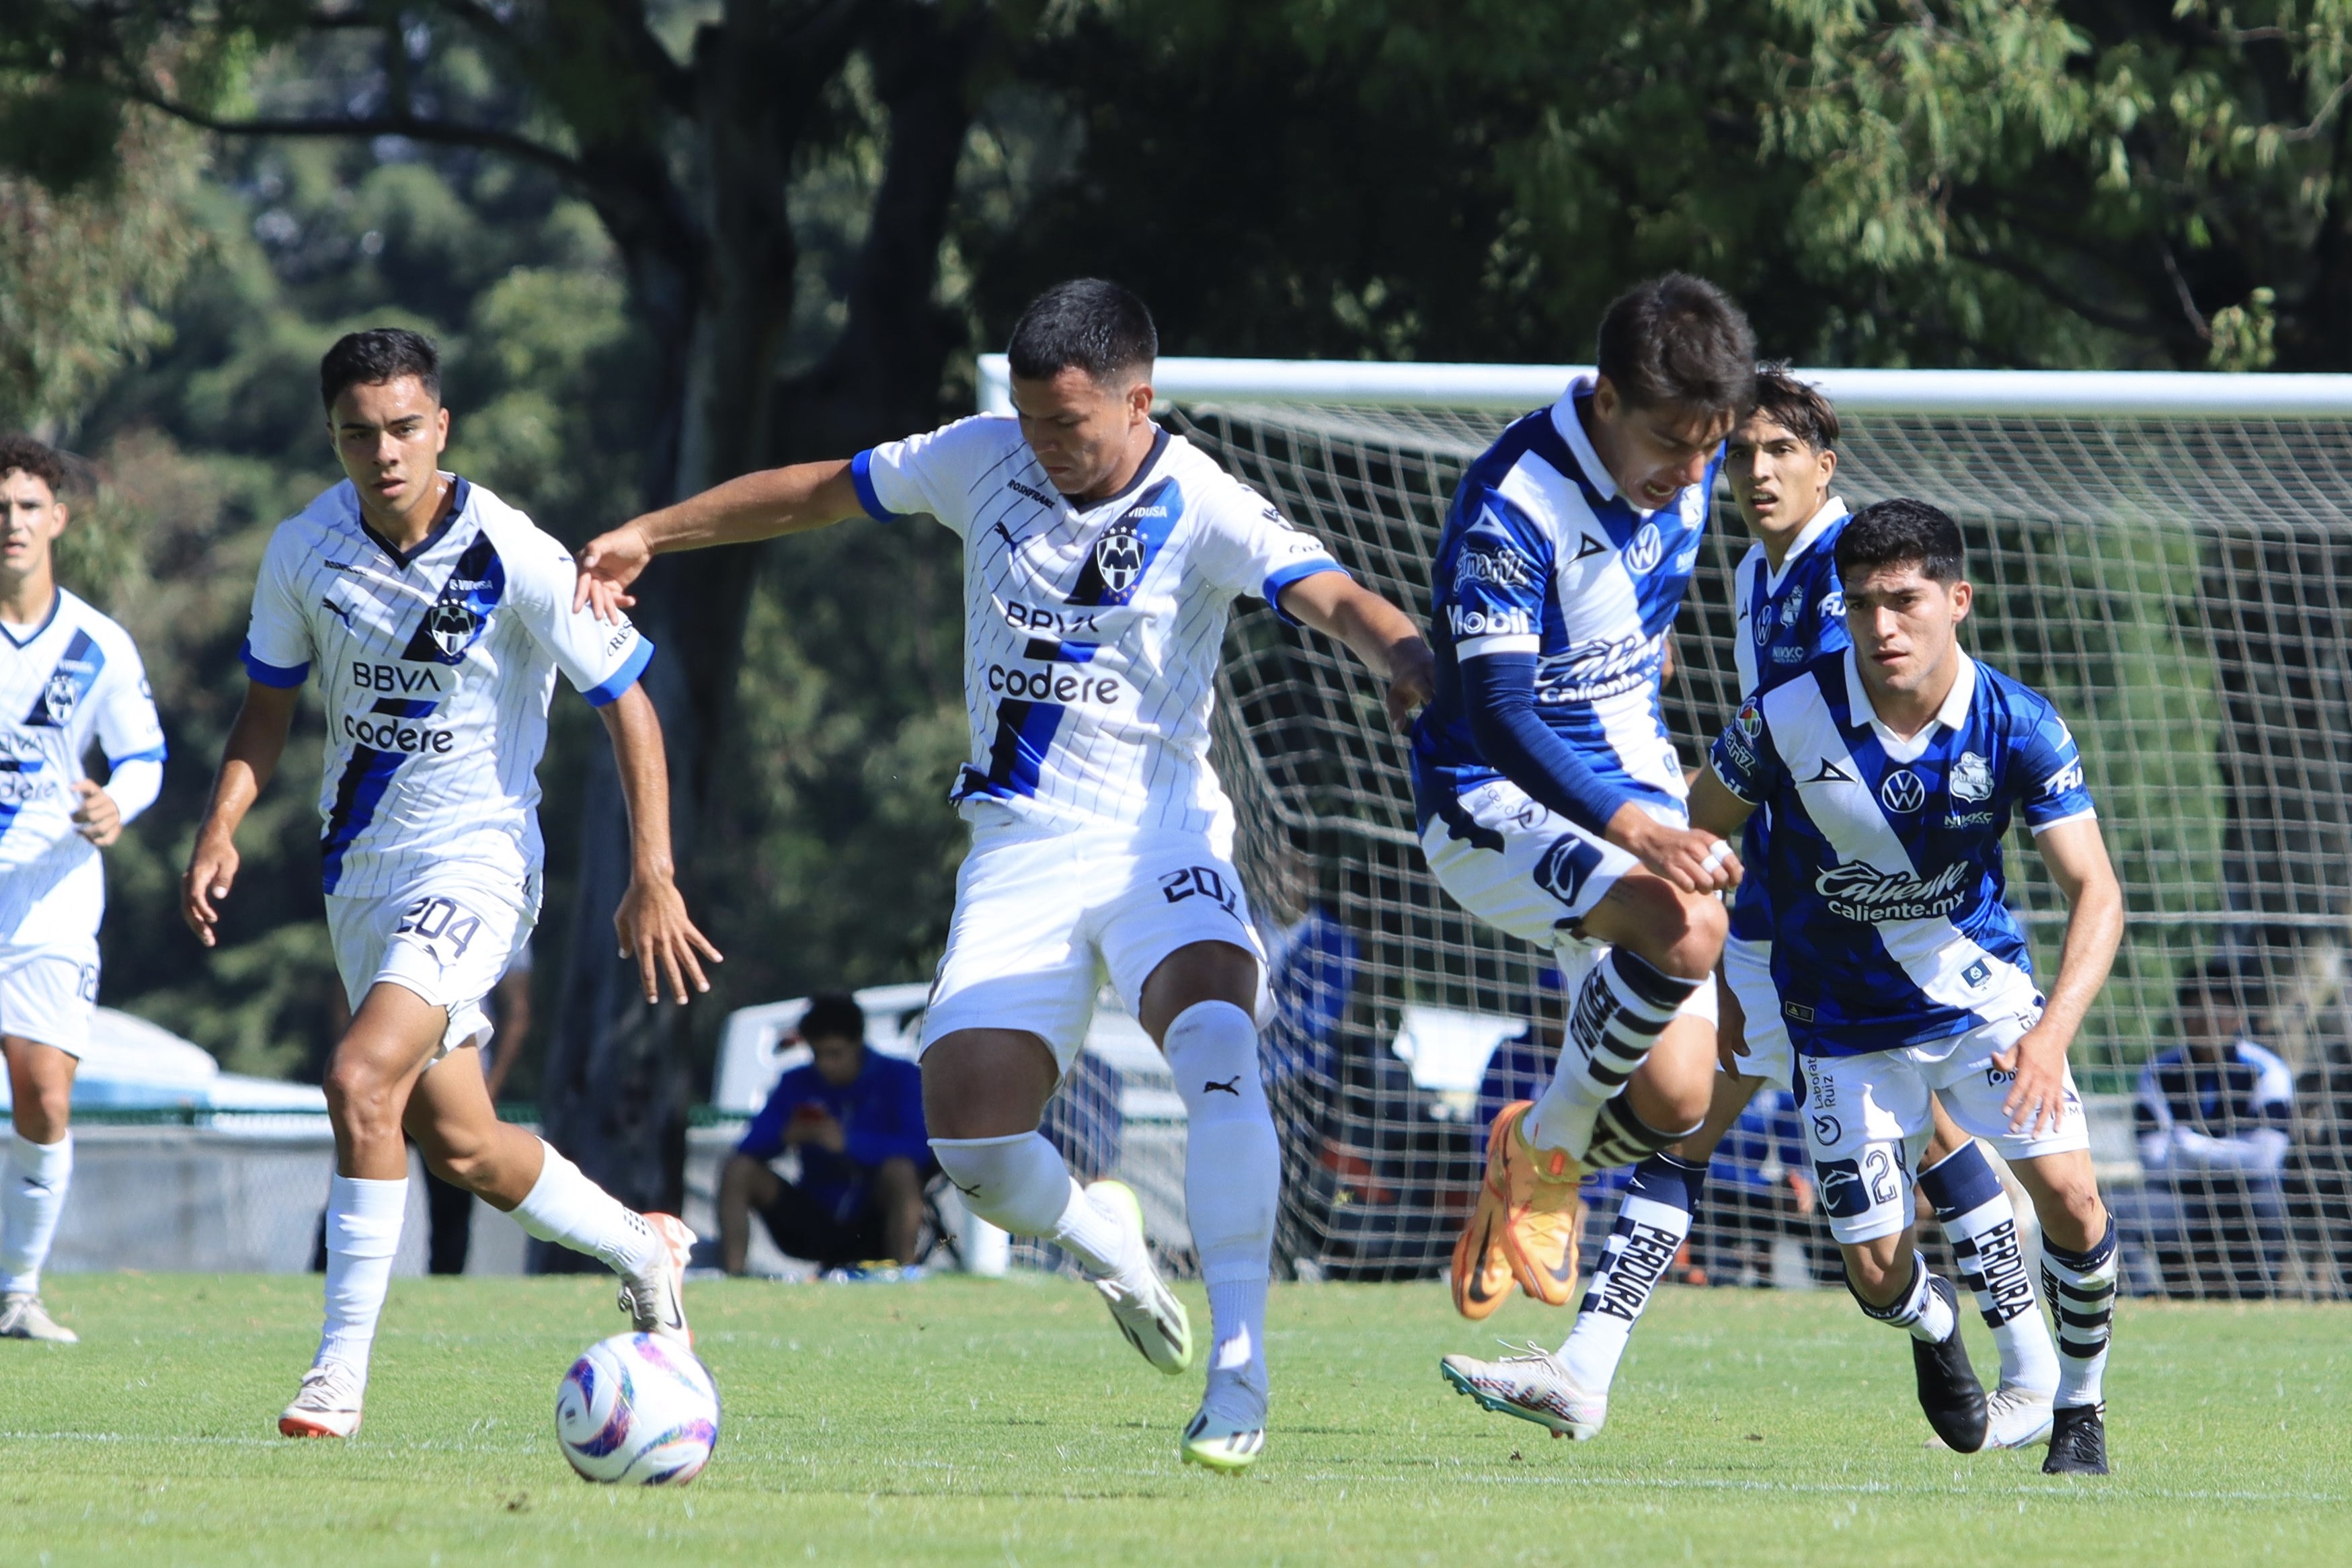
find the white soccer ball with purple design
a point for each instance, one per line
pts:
(638, 1410)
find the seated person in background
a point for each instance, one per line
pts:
(856, 1118)
(2213, 1117)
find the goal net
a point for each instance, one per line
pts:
(2164, 556)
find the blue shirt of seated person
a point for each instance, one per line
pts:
(855, 1120)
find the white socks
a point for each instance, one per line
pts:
(1019, 1184)
(1981, 1223)
(1233, 1178)
(35, 1196)
(2081, 1287)
(567, 1208)
(1653, 1220)
(363, 1232)
(1620, 1010)
(1921, 1310)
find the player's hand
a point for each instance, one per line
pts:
(608, 566)
(212, 872)
(1731, 1051)
(655, 931)
(100, 820)
(2037, 1092)
(1693, 860)
(1412, 681)
(820, 1128)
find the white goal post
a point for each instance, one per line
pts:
(2168, 556)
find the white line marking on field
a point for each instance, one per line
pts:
(2122, 1492)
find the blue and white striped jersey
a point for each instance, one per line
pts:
(435, 669)
(1883, 868)
(1786, 619)
(75, 682)
(1091, 633)
(1541, 556)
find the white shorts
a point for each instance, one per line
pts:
(1040, 920)
(46, 994)
(1748, 970)
(1867, 1122)
(1532, 874)
(446, 936)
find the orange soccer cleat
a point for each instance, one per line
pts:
(1525, 1226)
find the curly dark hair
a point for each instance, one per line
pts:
(23, 455)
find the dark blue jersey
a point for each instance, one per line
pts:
(1541, 556)
(1787, 619)
(1884, 867)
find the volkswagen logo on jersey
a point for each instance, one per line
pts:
(1901, 791)
(59, 697)
(1119, 556)
(452, 626)
(1972, 778)
(1646, 548)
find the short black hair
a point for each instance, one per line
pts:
(23, 455)
(2233, 982)
(1099, 327)
(1900, 533)
(833, 1015)
(375, 356)
(1795, 407)
(1679, 339)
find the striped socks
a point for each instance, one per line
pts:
(1620, 1010)
(1981, 1223)
(2082, 1291)
(1653, 1220)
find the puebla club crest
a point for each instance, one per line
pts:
(1972, 778)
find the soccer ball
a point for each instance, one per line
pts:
(639, 1410)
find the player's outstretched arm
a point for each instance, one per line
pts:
(2077, 858)
(1379, 633)
(255, 742)
(652, 920)
(756, 506)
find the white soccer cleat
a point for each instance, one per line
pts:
(328, 1405)
(1229, 1432)
(22, 1317)
(656, 1299)
(1145, 1310)
(2014, 1419)
(1533, 1385)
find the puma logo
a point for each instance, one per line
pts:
(1232, 1086)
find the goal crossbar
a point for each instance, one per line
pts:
(2022, 393)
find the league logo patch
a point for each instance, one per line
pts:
(1977, 973)
(1972, 778)
(1645, 550)
(1119, 556)
(1751, 719)
(1901, 791)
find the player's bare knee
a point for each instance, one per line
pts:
(361, 1101)
(1701, 926)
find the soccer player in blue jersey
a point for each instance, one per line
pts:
(1892, 770)
(437, 618)
(1788, 611)
(1551, 799)
(1102, 555)
(70, 682)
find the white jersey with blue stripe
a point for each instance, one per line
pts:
(435, 667)
(1541, 556)
(1786, 619)
(1091, 633)
(74, 683)
(1884, 864)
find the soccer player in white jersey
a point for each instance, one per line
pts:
(1550, 795)
(69, 679)
(436, 617)
(1788, 611)
(1893, 769)
(1101, 556)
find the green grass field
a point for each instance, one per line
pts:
(963, 1421)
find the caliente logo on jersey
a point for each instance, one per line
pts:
(1901, 791)
(1858, 891)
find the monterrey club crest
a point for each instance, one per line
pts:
(452, 626)
(60, 698)
(1119, 556)
(1901, 791)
